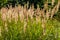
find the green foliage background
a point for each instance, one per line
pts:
(5, 2)
(13, 2)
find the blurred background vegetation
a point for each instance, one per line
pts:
(16, 2)
(22, 2)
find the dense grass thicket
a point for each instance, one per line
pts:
(23, 23)
(33, 30)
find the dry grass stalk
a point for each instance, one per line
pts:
(48, 14)
(13, 13)
(9, 13)
(42, 13)
(43, 16)
(25, 12)
(38, 14)
(58, 5)
(55, 10)
(31, 11)
(3, 13)
(21, 15)
(16, 14)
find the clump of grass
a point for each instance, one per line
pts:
(33, 31)
(21, 23)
